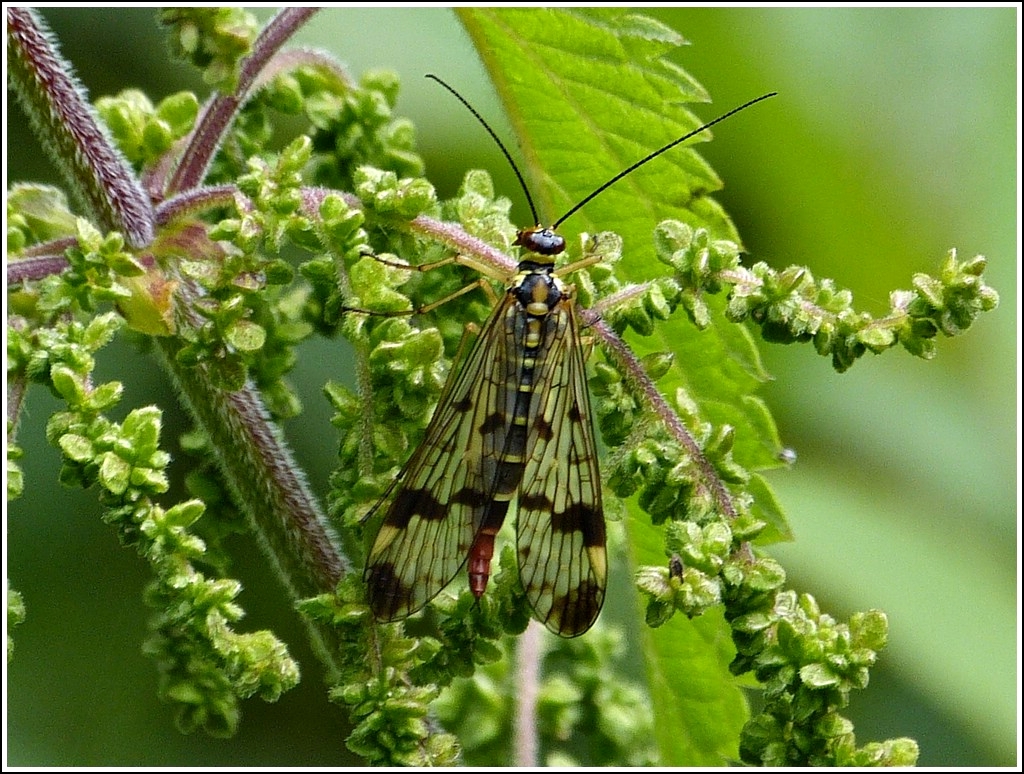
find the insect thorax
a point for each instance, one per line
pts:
(536, 289)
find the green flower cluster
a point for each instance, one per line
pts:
(145, 132)
(389, 712)
(586, 714)
(808, 663)
(206, 667)
(791, 305)
(213, 39)
(214, 288)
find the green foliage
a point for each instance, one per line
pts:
(15, 478)
(623, 79)
(217, 292)
(673, 480)
(584, 718)
(206, 667)
(358, 127)
(96, 266)
(213, 39)
(389, 712)
(15, 615)
(36, 213)
(791, 306)
(808, 663)
(243, 300)
(145, 132)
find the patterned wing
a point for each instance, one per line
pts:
(430, 524)
(561, 531)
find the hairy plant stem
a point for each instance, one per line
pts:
(221, 109)
(267, 484)
(195, 201)
(525, 744)
(17, 386)
(453, 235)
(68, 128)
(34, 268)
(633, 369)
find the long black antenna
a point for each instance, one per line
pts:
(612, 181)
(657, 153)
(508, 156)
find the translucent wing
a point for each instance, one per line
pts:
(515, 421)
(560, 528)
(430, 524)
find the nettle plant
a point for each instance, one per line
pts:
(221, 257)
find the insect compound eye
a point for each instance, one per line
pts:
(542, 241)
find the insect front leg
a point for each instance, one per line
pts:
(481, 282)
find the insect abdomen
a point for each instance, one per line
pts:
(507, 473)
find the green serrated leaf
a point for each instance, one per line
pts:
(553, 67)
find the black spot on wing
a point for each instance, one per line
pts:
(576, 611)
(583, 518)
(414, 502)
(469, 497)
(492, 423)
(536, 501)
(390, 598)
(542, 429)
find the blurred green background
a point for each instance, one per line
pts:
(894, 139)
